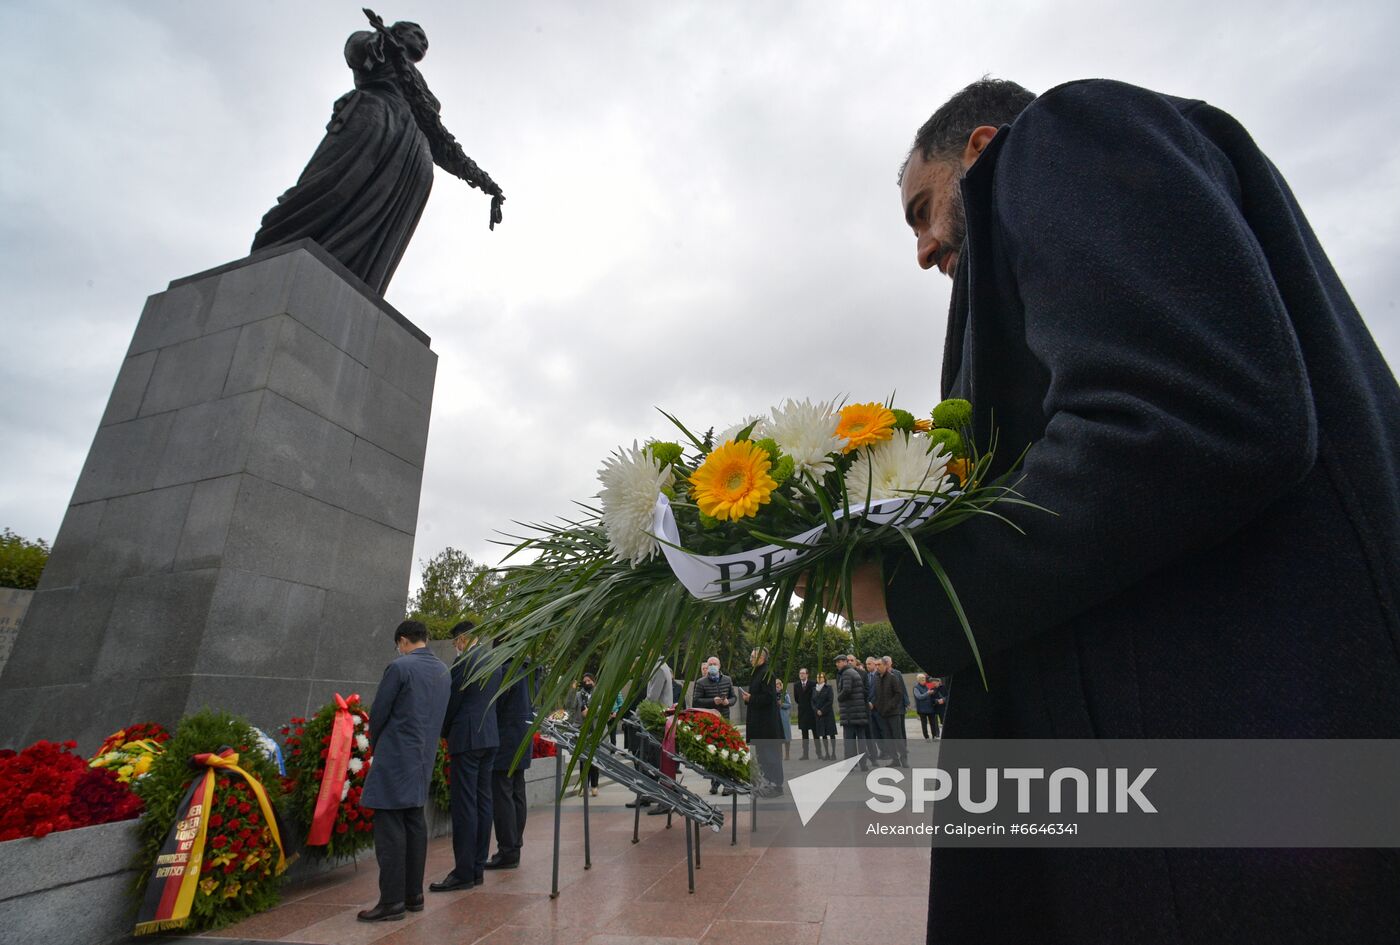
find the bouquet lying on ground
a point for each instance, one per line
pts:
(130, 751)
(717, 529)
(47, 788)
(703, 738)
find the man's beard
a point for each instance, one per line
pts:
(957, 222)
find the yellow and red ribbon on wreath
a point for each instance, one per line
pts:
(175, 878)
(337, 762)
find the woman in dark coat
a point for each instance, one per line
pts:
(764, 730)
(824, 718)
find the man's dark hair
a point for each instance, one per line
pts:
(462, 626)
(987, 101)
(412, 631)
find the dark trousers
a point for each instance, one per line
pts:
(508, 811)
(401, 850)
(471, 811)
(805, 733)
(876, 734)
(856, 737)
(770, 760)
(927, 723)
(893, 728)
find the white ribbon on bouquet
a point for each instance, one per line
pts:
(726, 577)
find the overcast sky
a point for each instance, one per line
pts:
(702, 212)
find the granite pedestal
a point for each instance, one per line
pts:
(241, 535)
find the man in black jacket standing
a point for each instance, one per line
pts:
(1138, 297)
(806, 718)
(472, 739)
(852, 702)
(713, 690)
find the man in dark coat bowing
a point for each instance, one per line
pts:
(403, 735)
(514, 713)
(472, 738)
(1139, 299)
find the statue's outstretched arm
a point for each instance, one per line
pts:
(448, 155)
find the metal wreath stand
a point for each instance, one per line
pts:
(647, 782)
(735, 788)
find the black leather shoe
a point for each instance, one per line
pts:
(384, 912)
(714, 788)
(658, 811)
(414, 905)
(451, 882)
(497, 863)
(645, 802)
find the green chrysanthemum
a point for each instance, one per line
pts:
(903, 420)
(782, 470)
(664, 451)
(769, 446)
(953, 413)
(708, 522)
(950, 440)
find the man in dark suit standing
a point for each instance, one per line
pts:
(1136, 288)
(472, 738)
(404, 720)
(806, 718)
(514, 713)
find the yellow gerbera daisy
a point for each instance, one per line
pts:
(733, 481)
(864, 424)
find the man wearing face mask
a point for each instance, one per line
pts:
(1135, 288)
(713, 690)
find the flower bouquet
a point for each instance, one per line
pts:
(47, 787)
(719, 530)
(702, 738)
(212, 846)
(131, 751)
(327, 758)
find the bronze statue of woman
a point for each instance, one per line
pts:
(364, 189)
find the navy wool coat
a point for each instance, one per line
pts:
(470, 723)
(1141, 301)
(515, 712)
(403, 731)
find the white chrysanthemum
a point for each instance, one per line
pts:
(806, 432)
(710, 748)
(760, 430)
(724, 753)
(345, 790)
(361, 742)
(355, 765)
(358, 721)
(889, 470)
(632, 479)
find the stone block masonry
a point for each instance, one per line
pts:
(241, 535)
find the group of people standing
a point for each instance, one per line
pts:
(418, 701)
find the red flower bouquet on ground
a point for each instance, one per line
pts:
(46, 787)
